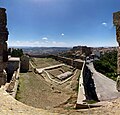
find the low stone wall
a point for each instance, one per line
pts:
(81, 90)
(77, 63)
(86, 90)
(11, 87)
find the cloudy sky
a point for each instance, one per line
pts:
(61, 22)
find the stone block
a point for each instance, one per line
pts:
(1, 52)
(1, 59)
(3, 22)
(24, 63)
(2, 10)
(4, 36)
(1, 66)
(3, 78)
(3, 18)
(5, 56)
(116, 18)
(118, 83)
(1, 48)
(118, 61)
(3, 28)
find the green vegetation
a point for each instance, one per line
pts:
(107, 64)
(43, 62)
(20, 86)
(17, 53)
(75, 84)
(91, 101)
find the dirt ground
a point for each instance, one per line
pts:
(43, 62)
(38, 91)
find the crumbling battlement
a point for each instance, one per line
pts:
(3, 45)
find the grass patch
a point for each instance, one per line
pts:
(77, 76)
(66, 68)
(20, 87)
(44, 62)
(91, 101)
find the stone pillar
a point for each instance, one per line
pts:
(3, 45)
(116, 22)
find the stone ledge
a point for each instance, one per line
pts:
(8, 105)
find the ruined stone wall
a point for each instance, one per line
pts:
(83, 50)
(24, 67)
(3, 45)
(75, 63)
(116, 22)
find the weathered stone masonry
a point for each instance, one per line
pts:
(3, 45)
(116, 22)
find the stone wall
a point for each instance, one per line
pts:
(3, 45)
(116, 22)
(83, 50)
(77, 63)
(24, 67)
(12, 66)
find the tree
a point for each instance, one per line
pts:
(107, 64)
(17, 53)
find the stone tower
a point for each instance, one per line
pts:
(24, 67)
(116, 22)
(3, 45)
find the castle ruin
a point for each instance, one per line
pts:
(116, 22)
(3, 45)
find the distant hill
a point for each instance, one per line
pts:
(44, 50)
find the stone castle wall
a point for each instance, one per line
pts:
(3, 45)
(116, 22)
(75, 63)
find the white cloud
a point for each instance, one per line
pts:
(45, 38)
(24, 43)
(37, 43)
(104, 24)
(58, 44)
(62, 34)
(54, 42)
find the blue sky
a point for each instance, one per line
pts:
(61, 22)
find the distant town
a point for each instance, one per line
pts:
(76, 50)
